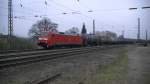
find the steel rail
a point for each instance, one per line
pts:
(7, 62)
(19, 54)
(16, 59)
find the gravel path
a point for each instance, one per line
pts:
(139, 65)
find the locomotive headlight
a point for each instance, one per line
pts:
(43, 38)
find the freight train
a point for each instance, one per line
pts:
(52, 40)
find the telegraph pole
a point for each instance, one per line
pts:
(146, 34)
(123, 34)
(10, 18)
(93, 27)
(138, 35)
(146, 42)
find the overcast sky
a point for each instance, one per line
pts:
(112, 15)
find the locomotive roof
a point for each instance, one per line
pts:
(62, 33)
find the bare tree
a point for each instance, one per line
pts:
(73, 31)
(42, 27)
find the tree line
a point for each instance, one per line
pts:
(45, 25)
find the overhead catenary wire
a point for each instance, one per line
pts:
(58, 4)
(17, 11)
(47, 3)
(72, 11)
(29, 14)
(81, 5)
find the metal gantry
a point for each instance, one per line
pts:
(145, 7)
(10, 18)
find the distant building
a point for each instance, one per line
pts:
(107, 35)
(121, 37)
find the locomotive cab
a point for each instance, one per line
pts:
(43, 41)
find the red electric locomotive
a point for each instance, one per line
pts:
(52, 39)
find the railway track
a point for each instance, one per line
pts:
(13, 59)
(28, 50)
(14, 51)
